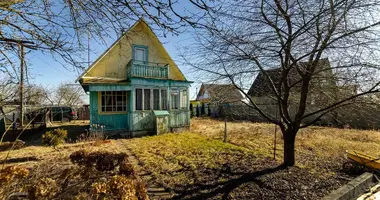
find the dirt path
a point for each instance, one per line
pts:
(154, 191)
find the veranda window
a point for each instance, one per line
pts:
(139, 94)
(156, 99)
(183, 99)
(164, 99)
(113, 101)
(174, 98)
(147, 99)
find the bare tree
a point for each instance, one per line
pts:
(291, 38)
(34, 95)
(61, 28)
(65, 94)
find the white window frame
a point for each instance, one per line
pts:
(151, 98)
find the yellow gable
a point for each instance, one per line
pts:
(112, 64)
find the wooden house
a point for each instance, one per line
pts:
(323, 84)
(212, 96)
(134, 82)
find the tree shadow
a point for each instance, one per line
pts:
(19, 160)
(226, 187)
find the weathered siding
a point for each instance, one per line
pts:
(143, 121)
(179, 118)
(110, 121)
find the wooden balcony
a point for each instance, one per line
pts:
(147, 70)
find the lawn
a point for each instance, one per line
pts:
(197, 165)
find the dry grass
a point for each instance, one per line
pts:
(180, 160)
(53, 176)
(199, 165)
(315, 146)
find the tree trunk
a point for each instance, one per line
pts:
(289, 142)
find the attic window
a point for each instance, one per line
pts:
(114, 101)
(140, 53)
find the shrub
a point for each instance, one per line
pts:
(126, 168)
(120, 187)
(11, 172)
(102, 161)
(45, 188)
(54, 137)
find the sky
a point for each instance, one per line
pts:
(44, 70)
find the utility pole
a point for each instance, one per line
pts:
(21, 84)
(21, 44)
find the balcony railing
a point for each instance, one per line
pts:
(147, 70)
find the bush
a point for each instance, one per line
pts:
(11, 172)
(120, 187)
(102, 161)
(126, 168)
(45, 188)
(54, 137)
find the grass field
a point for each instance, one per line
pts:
(198, 165)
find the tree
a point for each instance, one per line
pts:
(35, 95)
(62, 28)
(65, 94)
(240, 39)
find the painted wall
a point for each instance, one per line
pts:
(113, 64)
(136, 120)
(110, 121)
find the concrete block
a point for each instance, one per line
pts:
(353, 189)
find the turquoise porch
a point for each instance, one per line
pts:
(136, 118)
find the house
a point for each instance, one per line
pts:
(134, 82)
(211, 96)
(219, 94)
(323, 84)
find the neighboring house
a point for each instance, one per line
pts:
(323, 84)
(134, 81)
(219, 94)
(212, 96)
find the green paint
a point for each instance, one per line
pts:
(138, 120)
(110, 87)
(109, 121)
(160, 112)
(146, 70)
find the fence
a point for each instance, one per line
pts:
(362, 116)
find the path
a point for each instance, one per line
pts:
(154, 192)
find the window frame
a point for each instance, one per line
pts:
(151, 89)
(100, 102)
(178, 100)
(134, 46)
(182, 100)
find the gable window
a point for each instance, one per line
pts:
(113, 101)
(140, 53)
(174, 95)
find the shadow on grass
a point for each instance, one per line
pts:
(226, 187)
(19, 160)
